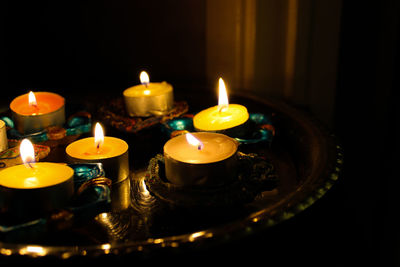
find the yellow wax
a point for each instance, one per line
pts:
(42, 174)
(212, 119)
(152, 89)
(85, 148)
(216, 147)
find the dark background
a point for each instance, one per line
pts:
(92, 46)
(102, 45)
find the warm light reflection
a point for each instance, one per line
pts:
(222, 96)
(194, 141)
(5, 251)
(106, 246)
(27, 151)
(144, 78)
(98, 136)
(32, 99)
(143, 189)
(33, 250)
(193, 236)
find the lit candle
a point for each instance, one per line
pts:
(110, 151)
(200, 159)
(223, 117)
(3, 136)
(32, 188)
(148, 98)
(34, 112)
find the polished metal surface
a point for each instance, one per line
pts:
(27, 124)
(117, 168)
(149, 105)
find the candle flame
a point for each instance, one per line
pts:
(98, 136)
(27, 152)
(32, 99)
(194, 141)
(222, 96)
(144, 78)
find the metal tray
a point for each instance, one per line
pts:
(306, 156)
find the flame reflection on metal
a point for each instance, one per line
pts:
(33, 251)
(142, 199)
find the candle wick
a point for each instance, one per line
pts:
(200, 146)
(29, 164)
(146, 84)
(98, 148)
(35, 106)
(222, 108)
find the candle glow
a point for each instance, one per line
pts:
(32, 99)
(98, 136)
(27, 152)
(223, 102)
(194, 141)
(144, 78)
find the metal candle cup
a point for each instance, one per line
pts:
(33, 189)
(49, 111)
(114, 157)
(212, 163)
(148, 100)
(28, 192)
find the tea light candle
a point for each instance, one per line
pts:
(223, 117)
(148, 99)
(200, 159)
(34, 112)
(110, 151)
(33, 189)
(3, 136)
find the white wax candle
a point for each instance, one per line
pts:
(215, 147)
(201, 159)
